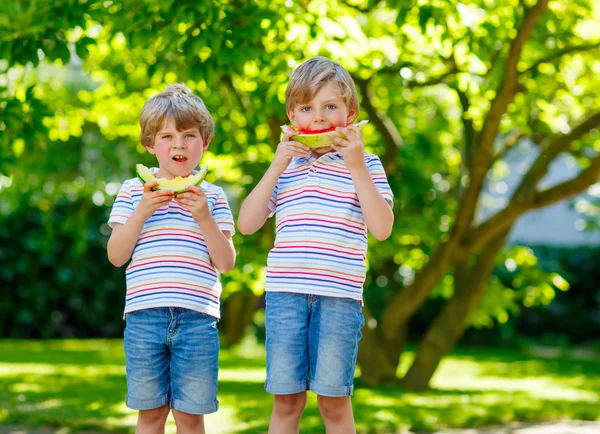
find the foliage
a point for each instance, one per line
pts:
(80, 384)
(449, 89)
(56, 271)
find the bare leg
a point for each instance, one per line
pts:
(189, 423)
(337, 414)
(287, 410)
(152, 421)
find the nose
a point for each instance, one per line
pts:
(179, 142)
(319, 117)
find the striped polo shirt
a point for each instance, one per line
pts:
(170, 265)
(321, 236)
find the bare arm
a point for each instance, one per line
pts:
(254, 210)
(124, 237)
(219, 244)
(377, 212)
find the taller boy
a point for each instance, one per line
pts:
(325, 201)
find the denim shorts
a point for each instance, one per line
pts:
(172, 357)
(312, 343)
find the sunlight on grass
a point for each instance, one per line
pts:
(80, 385)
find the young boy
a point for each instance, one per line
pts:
(325, 201)
(177, 246)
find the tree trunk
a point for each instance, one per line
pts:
(446, 330)
(402, 308)
(378, 363)
(240, 308)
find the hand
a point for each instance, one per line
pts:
(153, 200)
(194, 200)
(351, 146)
(287, 149)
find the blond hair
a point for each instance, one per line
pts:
(184, 107)
(315, 73)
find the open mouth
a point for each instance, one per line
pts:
(180, 158)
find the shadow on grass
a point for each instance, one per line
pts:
(81, 385)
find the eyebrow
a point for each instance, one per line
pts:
(191, 130)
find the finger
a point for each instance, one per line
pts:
(349, 134)
(297, 146)
(162, 199)
(294, 144)
(194, 190)
(287, 136)
(163, 193)
(149, 186)
(338, 141)
(356, 131)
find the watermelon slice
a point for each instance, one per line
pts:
(315, 138)
(177, 184)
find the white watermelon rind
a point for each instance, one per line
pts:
(177, 185)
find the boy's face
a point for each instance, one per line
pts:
(327, 109)
(178, 152)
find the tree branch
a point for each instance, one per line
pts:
(504, 96)
(561, 191)
(453, 69)
(383, 124)
(555, 56)
(526, 197)
(509, 86)
(550, 150)
(469, 129)
(511, 139)
(482, 234)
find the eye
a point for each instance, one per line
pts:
(305, 109)
(166, 136)
(331, 107)
(190, 135)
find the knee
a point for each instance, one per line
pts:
(187, 422)
(156, 416)
(334, 409)
(290, 405)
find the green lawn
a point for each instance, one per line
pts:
(80, 384)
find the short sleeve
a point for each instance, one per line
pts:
(272, 205)
(222, 213)
(123, 206)
(379, 178)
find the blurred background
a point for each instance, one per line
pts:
(482, 308)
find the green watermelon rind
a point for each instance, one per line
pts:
(144, 175)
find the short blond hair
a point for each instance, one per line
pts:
(315, 73)
(184, 107)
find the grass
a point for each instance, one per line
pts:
(80, 385)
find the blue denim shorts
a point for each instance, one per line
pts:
(312, 343)
(172, 357)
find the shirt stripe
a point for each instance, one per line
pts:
(170, 265)
(321, 237)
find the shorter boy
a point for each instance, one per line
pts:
(325, 202)
(177, 246)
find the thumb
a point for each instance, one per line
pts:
(149, 186)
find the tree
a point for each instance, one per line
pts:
(507, 97)
(450, 89)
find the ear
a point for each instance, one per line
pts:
(351, 116)
(205, 146)
(291, 117)
(150, 148)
